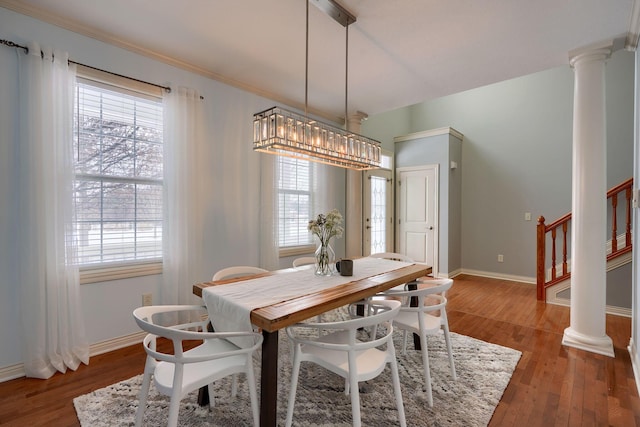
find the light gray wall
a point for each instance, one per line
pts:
(440, 149)
(455, 207)
(232, 179)
(516, 156)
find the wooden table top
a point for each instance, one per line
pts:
(277, 316)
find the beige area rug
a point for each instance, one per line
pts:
(483, 369)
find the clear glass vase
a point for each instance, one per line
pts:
(325, 260)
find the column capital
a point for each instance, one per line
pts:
(355, 120)
(600, 51)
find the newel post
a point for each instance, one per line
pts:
(540, 253)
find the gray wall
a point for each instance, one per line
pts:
(516, 156)
(231, 178)
(440, 149)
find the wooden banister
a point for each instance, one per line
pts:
(562, 225)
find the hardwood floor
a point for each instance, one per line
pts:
(552, 384)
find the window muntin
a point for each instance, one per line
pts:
(294, 202)
(118, 169)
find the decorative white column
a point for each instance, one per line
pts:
(587, 330)
(353, 202)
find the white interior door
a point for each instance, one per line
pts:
(378, 211)
(417, 210)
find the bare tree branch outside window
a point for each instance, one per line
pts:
(118, 190)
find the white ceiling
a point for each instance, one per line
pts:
(401, 52)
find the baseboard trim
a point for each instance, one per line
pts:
(116, 343)
(451, 274)
(609, 309)
(492, 275)
(12, 372)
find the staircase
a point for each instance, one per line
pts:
(554, 238)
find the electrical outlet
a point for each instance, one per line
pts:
(500, 258)
(147, 299)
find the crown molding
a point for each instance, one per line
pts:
(633, 35)
(114, 40)
(428, 133)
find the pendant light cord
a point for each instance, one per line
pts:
(346, 76)
(306, 65)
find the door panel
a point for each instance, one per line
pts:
(378, 211)
(417, 210)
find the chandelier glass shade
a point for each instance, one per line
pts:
(284, 132)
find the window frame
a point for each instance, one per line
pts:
(299, 249)
(103, 272)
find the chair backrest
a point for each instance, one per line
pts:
(436, 292)
(196, 330)
(392, 256)
(382, 313)
(237, 271)
(305, 260)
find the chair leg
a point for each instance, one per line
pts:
(234, 385)
(447, 339)
(252, 391)
(404, 342)
(174, 408)
(295, 371)
(144, 392)
(397, 390)
(355, 399)
(425, 366)
(212, 400)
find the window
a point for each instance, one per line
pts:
(294, 202)
(118, 170)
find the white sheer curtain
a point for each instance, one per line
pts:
(269, 247)
(183, 223)
(52, 325)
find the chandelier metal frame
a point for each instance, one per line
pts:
(280, 131)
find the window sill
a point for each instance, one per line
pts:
(105, 274)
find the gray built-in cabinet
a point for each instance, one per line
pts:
(442, 147)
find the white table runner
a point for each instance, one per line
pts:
(230, 305)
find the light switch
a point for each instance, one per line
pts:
(527, 216)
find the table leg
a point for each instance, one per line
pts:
(269, 379)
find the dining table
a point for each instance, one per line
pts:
(277, 299)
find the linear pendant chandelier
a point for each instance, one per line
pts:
(283, 132)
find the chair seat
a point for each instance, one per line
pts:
(192, 376)
(370, 362)
(407, 320)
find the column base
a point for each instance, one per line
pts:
(601, 345)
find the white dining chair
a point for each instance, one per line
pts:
(338, 347)
(423, 320)
(180, 372)
(305, 260)
(237, 271)
(394, 256)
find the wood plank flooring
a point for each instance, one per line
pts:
(552, 385)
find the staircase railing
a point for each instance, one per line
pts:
(560, 228)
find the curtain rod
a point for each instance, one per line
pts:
(26, 50)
